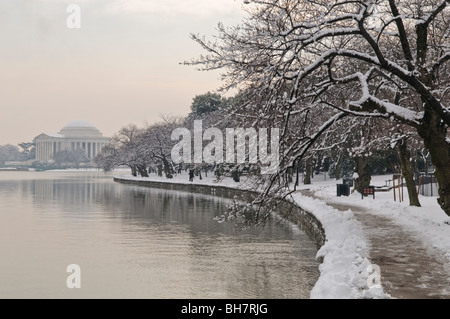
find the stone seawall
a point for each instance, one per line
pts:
(292, 212)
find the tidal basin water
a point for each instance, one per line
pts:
(137, 242)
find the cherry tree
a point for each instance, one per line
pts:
(158, 143)
(126, 147)
(141, 148)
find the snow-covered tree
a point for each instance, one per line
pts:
(347, 58)
(142, 148)
(29, 150)
(9, 153)
(156, 140)
(125, 148)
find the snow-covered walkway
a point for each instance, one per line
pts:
(408, 269)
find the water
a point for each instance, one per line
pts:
(136, 242)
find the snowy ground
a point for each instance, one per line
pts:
(346, 271)
(429, 224)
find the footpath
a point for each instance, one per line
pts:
(409, 270)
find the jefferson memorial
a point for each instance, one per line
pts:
(77, 135)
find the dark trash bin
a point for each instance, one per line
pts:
(343, 190)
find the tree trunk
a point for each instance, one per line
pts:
(434, 132)
(167, 168)
(308, 171)
(289, 175)
(160, 169)
(362, 168)
(297, 173)
(133, 170)
(142, 170)
(337, 170)
(408, 174)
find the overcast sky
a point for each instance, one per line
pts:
(121, 66)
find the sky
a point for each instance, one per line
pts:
(121, 66)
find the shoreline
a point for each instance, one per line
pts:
(289, 210)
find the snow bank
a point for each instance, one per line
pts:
(345, 270)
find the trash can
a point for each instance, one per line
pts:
(345, 190)
(342, 190)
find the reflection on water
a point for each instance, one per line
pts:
(135, 242)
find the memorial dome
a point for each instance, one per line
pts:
(80, 129)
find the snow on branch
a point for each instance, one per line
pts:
(369, 103)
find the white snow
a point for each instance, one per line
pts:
(344, 271)
(345, 268)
